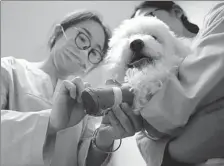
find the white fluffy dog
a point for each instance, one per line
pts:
(144, 53)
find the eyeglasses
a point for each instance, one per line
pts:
(151, 13)
(83, 42)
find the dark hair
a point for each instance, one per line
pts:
(168, 6)
(75, 18)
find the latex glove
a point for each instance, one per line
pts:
(118, 123)
(67, 108)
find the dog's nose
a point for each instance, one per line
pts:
(137, 45)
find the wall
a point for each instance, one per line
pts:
(25, 26)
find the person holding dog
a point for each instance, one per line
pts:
(198, 91)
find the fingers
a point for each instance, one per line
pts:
(68, 87)
(113, 120)
(121, 125)
(136, 120)
(124, 120)
(80, 86)
(87, 85)
(116, 127)
(105, 119)
(74, 88)
(113, 127)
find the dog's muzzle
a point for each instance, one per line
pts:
(138, 58)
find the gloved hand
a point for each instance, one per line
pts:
(67, 108)
(118, 123)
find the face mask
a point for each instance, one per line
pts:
(67, 58)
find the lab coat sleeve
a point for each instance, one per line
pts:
(85, 142)
(23, 134)
(172, 106)
(23, 137)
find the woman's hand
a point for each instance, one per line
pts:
(118, 123)
(67, 108)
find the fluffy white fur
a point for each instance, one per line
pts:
(167, 52)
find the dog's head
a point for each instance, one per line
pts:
(142, 41)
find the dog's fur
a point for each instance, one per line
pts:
(165, 49)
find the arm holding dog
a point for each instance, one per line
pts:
(199, 73)
(212, 39)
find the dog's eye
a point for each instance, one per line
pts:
(154, 37)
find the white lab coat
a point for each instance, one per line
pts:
(26, 102)
(201, 82)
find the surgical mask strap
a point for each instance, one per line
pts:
(62, 29)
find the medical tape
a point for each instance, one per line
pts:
(117, 96)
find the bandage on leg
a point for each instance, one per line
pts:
(96, 100)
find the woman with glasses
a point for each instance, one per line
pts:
(42, 118)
